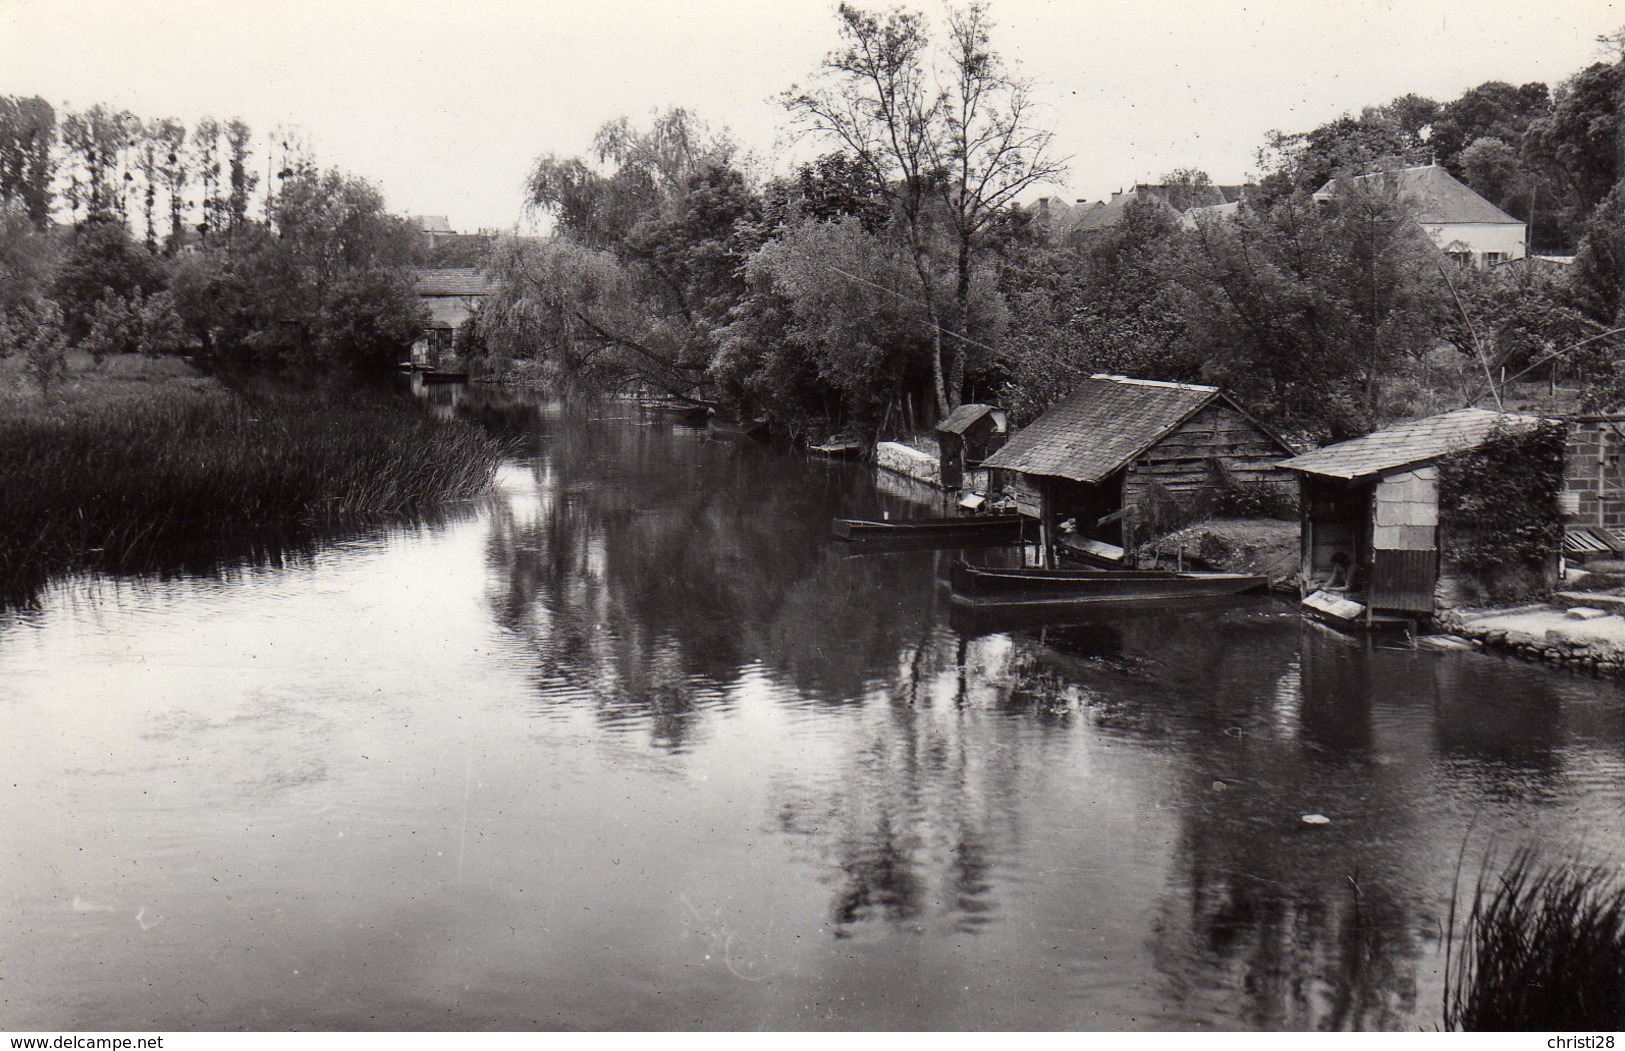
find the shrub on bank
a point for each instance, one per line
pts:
(114, 482)
(1542, 947)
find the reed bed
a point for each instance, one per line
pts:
(111, 482)
(1541, 948)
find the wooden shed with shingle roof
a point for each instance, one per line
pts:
(452, 295)
(1116, 445)
(966, 437)
(1370, 506)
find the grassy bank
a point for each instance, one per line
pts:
(146, 462)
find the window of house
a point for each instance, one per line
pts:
(1493, 258)
(1463, 259)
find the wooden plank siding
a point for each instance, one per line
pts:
(1182, 461)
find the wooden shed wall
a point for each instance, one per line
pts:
(1180, 461)
(1405, 511)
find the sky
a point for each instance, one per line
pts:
(445, 104)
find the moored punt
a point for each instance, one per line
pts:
(839, 449)
(436, 376)
(732, 425)
(687, 411)
(979, 585)
(981, 528)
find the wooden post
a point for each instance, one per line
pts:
(1306, 537)
(1046, 528)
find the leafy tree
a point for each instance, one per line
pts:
(1105, 306)
(169, 142)
(102, 260)
(241, 176)
(833, 187)
(207, 167)
(1580, 138)
(28, 259)
(1492, 110)
(646, 264)
(1599, 266)
(1510, 321)
(27, 132)
(949, 135)
(1380, 138)
(833, 323)
(1305, 310)
(95, 141)
(333, 286)
(37, 332)
(146, 325)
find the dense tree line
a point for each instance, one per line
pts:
(881, 284)
(121, 235)
(894, 277)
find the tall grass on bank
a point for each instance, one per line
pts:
(122, 483)
(1542, 948)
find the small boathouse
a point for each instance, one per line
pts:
(1373, 526)
(1115, 443)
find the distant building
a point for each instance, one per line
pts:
(436, 228)
(1074, 222)
(1465, 226)
(452, 296)
(1115, 444)
(969, 435)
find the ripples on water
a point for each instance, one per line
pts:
(631, 744)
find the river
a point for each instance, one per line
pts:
(631, 744)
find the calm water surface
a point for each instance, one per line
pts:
(631, 744)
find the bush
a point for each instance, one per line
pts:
(1499, 501)
(1258, 500)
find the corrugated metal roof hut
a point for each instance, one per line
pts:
(1115, 442)
(966, 437)
(1371, 519)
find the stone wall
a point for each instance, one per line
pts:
(1594, 473)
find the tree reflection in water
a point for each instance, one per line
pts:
(652, 584)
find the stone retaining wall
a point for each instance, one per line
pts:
(1544, 633)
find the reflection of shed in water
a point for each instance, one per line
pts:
(966, 437)
(1371, 521)
(1115, 444)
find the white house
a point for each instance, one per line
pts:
(1463, 224)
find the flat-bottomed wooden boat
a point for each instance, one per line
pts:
(986, 586)
(686, 411)
(980, 528)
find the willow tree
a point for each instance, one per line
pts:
(949, 131)
(651, 234)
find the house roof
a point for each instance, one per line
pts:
(1444, 200)
(963, 418)
(1407, 445)
(1216, 211)
(432, 224)
(1101, 426)
(453, 281)
(1114, 211)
